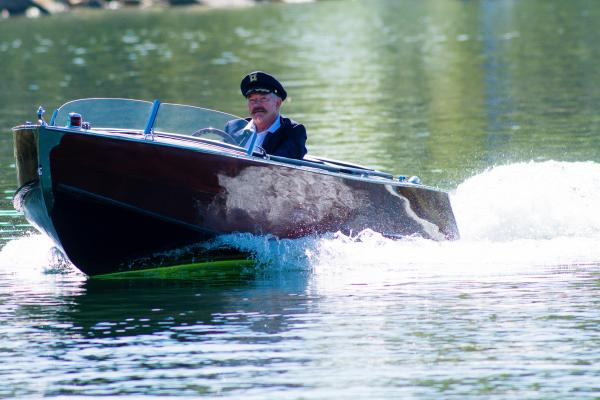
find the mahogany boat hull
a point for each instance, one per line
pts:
(109, 200)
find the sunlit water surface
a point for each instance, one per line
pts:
(495, 101)
(509, 309)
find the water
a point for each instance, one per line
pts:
(497, 314)
(495, 101)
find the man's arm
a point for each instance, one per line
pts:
(235, 125)
(235, 129)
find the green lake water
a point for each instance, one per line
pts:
(497, 102)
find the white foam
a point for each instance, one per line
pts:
(32, 254)
(369, 261)
(534, 200)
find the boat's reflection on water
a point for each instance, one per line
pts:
(220, 300)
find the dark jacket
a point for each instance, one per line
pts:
(287, 141)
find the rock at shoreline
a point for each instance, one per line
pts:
(35, 8)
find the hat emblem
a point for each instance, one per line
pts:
(253, 78)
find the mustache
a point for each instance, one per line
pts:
(258, 109)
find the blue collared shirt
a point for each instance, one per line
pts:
(260, 136)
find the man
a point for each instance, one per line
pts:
(277, 135)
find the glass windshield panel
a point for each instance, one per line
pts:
(107, 113)
(134, 114)
(185, 120)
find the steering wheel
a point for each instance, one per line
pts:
(227, 138)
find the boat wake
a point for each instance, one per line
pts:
(543, 200)
(512, 218)
(31, 263)
(535, 214)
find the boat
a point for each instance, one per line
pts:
(114, 182)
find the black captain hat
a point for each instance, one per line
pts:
(261, 82)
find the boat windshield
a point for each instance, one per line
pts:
(107, 113)
(135, 114)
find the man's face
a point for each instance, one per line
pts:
(263, 108)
